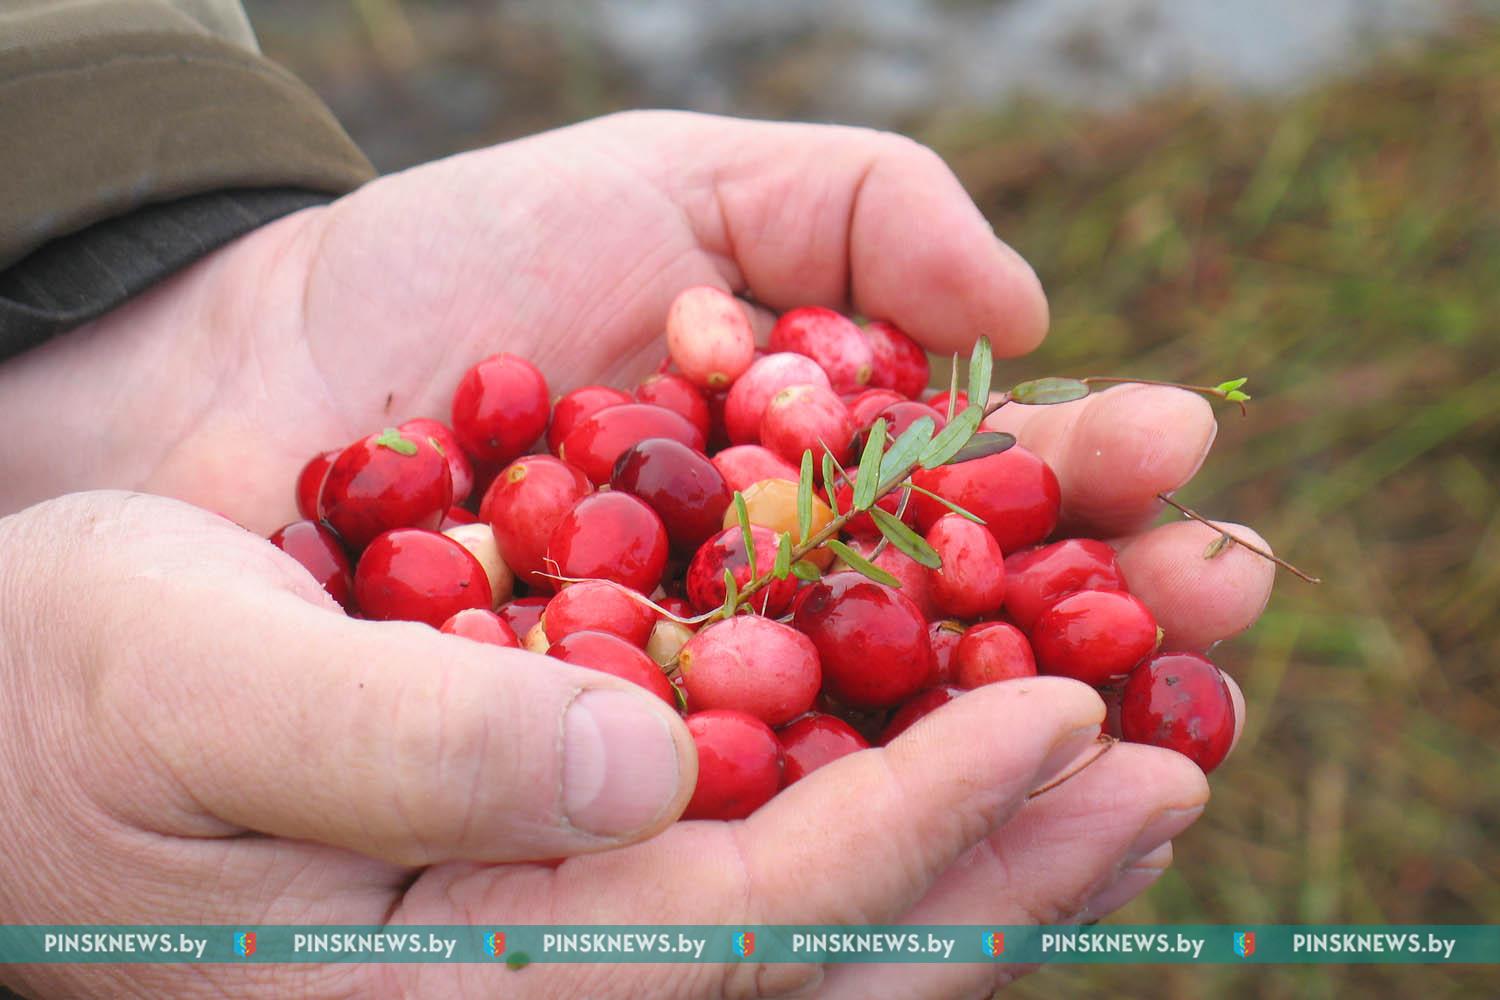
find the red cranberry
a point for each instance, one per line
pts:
(1015, 493)
(709, 336)
(675, 393)
(500, 408)
(944, 636)
(739, 764)
(601, 606)
(833, 341)
(912, 574)
(453, 517)
(926, 703)
(523, 614)
(939, 403)
(610, 654)
(1094, 636)
(677, 606)
(726, 550)
(745, 406)
(718, 434)
(805, 418)
(900, 416)
(863, 525)
(899, 362)
(751, 664)
(1179, 701)
(864, 407)
(524, 504)
(385, 481)
(420, 576)
(971, 582)
(871, 640)
(482, 625)
(310, 483)
(610, 536)
(993, 651)
(746, 464)
(1035, 578)
(814, 740)
(438, 434)
(320, 552)
(597, 440)
(680, 484)
(577, 405)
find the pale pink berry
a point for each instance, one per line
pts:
(709, 337)
(838, 346)
(751, 393)
(753, 665)
(744, 465)
(807, 418)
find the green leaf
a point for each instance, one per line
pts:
(783, 564)
(392, 439)
(804, 570)
(830, 482)
(981, 370)
(1235, 396)
(746, 535)
(436, 446)
(903, 538)
(861, 565)
(905, 451)
(1231, 385)
(680, 696)
(1046, 391)
(804, 500)
(951, 438)
(952, 390)
(731, 593)
(949, 504)
(983, 445)
(868, 478)
(1217, 546)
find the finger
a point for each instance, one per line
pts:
(1114, 451)
(851, 218)
(1197, 601)
(397, 741)
(1074, 853)
(1238, 697)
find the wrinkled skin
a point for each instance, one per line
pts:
(186, 684)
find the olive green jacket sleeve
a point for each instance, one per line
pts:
(148, 131)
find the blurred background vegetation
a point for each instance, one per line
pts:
(1304, 193)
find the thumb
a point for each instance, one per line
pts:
(400, 742)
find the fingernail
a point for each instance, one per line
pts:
(1131, 883)
(1162, 828)
(1064, 752)
(620, 764)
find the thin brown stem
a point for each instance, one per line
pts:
(1202, 390)
(1106, 744)
(1263, 553)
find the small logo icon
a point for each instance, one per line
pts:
(744, 943)
(494, 943)
(244, 944)
(994, 944)
(1244, 943)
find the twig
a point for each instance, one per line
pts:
(1264, 554)
(1106, 744)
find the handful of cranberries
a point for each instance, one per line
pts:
(680, 536)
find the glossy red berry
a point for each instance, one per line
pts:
(709, 336)
(939, 402)
(601, 606)
(523, 613)
(862, 525)
(419, 576)
(610, 536)
(385, 481)
(900, 416)
(803, 418)
(944, 636)
(675, 393)
(524, 504)
(746, 464)
(971, 581)
(1036, 578)
(923, 704)
(310, 483)
(814, 740)
(865, 406)
(1094, 636)
(321, 553)
(899, 362)
(745, 406)
(913, 576)
(1179, 701)
(751, 664)
(578, 405)
(838, 346)
(739, 764)
(726, 550)
(459, 467)
(993, 651)
(482, 625)
(871, 640)
(680, 484)
(500, 408)
(1015, 493)
(612, 655)
(454, 517)
(597, 440)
